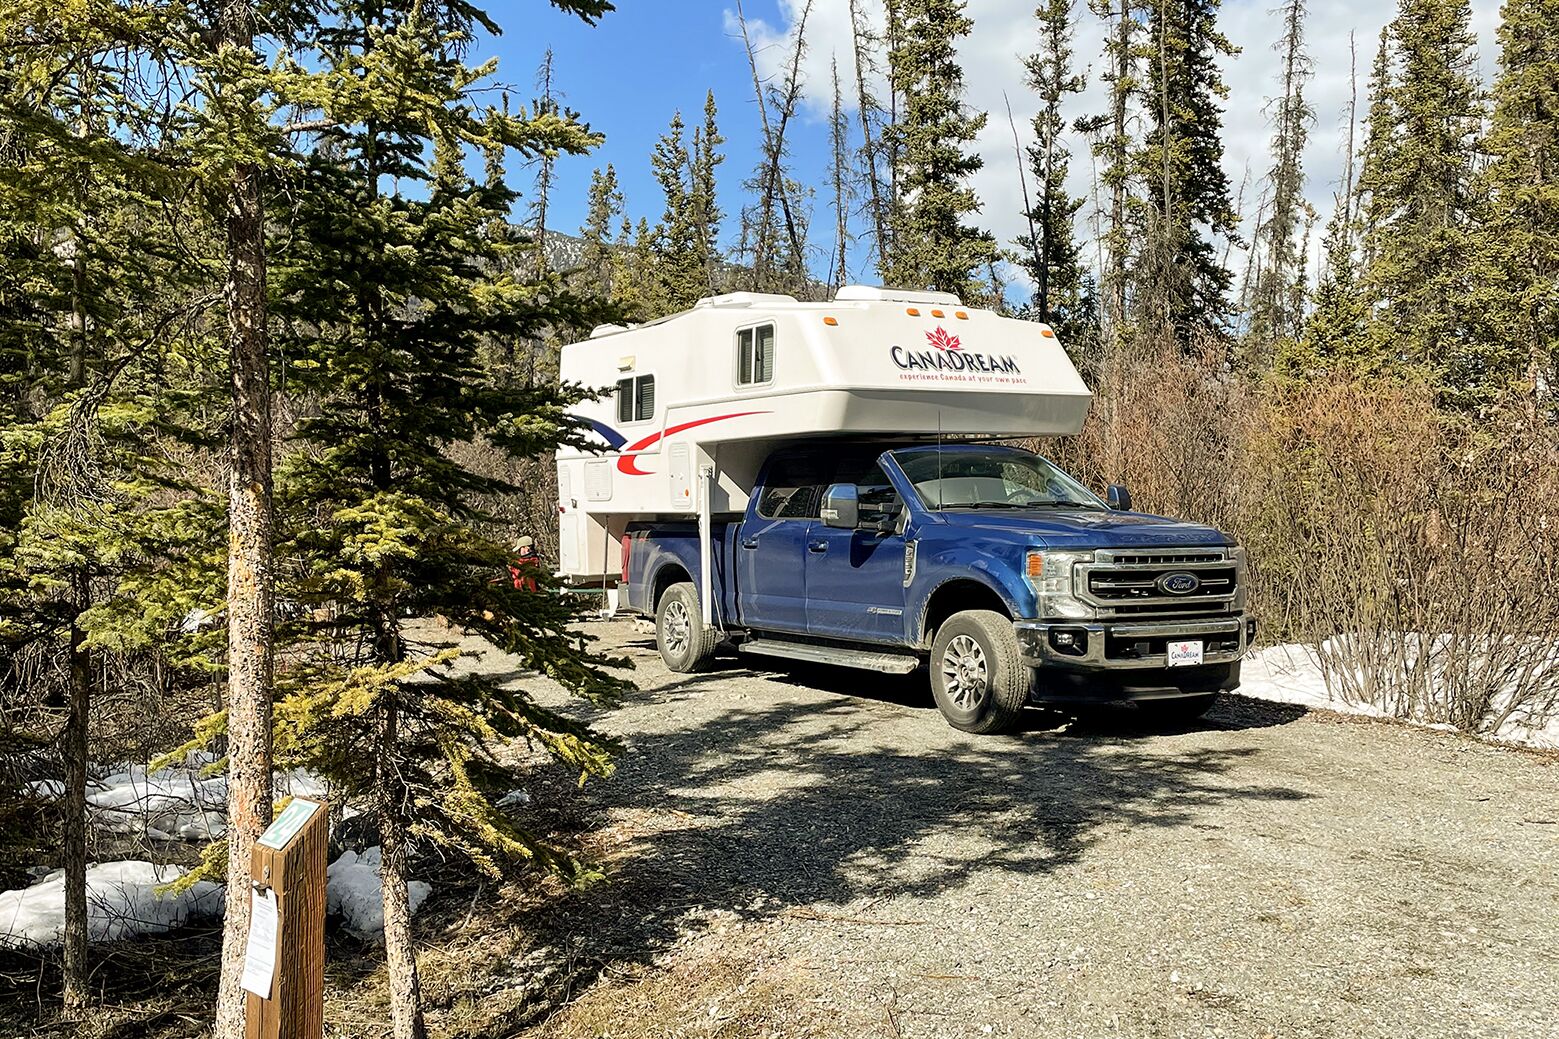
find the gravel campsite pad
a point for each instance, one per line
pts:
(814, 852)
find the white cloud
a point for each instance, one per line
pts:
(1004, 31)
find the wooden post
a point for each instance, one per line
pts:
(289, 859)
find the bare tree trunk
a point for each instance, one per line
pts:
(75, 801)
(400, 957)
(867, 105)
(249, 566)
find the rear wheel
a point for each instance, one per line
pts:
(977, 672)
(685, 643)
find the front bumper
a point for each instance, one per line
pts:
(1133, 645)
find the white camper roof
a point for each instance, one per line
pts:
(871, 361)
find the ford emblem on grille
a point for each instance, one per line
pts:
(1179, 583)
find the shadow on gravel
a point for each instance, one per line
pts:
(771, 807)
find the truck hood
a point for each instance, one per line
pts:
(1084, 528)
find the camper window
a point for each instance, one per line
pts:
(636, 399)
(755, 356)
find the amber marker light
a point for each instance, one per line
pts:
(1036, 565)
(937, 313)
(1047, 333)
(913, 311)
(962, 315)
(830, 321)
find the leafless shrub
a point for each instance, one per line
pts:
(1417, 552)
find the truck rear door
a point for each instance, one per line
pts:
(771, 547)
(855, 578)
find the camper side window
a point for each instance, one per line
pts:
(755, 356)
(636, 399)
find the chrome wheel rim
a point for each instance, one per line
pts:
(965, 674)
(676, 627)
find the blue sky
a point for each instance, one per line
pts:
(649, 58)
(628, 75)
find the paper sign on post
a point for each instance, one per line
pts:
(260, 953)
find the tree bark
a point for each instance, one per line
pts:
(75, 802)
(400, 957)
(249, 569)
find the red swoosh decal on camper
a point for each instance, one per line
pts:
(628, 464)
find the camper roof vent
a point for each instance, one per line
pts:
(877, 294)
(743, 299)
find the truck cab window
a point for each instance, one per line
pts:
(878, 498)
(755, 356)
(636, 399)
(793, 490)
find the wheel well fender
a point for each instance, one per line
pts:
(955, 596)
(666, 576)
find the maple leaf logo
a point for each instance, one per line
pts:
(942, 341)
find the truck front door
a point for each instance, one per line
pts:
(855, 578)
(771, 547)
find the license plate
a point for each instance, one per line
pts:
(1185, 654)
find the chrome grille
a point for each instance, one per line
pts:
(1125, 583)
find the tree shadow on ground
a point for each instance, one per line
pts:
(768, 807)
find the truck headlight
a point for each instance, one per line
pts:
(1049, 573)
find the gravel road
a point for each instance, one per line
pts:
(814, 852)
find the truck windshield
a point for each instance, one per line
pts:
(971, 477)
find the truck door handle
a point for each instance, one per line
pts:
(750, 543)
(817, 545)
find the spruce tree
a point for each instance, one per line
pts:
(934, 244)
(704, 195)
(1182, 287)
(1418, 173)
(603, 209)
(681, 272)
(1278, 296)
(386, 297)
(1515, 297)
(1052, 254)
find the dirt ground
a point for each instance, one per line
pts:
(813, 852)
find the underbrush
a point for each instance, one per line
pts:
(1415, 551)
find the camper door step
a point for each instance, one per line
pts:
(870, 660)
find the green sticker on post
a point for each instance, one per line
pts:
(288, 823)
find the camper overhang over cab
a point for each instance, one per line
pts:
(700, 398)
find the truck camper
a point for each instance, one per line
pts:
(819, 481)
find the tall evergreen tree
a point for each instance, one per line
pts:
(1418, 174)
(680, 269)
(1516, 234)
(1278, 296)
(704, 195)
(604, 208)
(1112, 149)
(1182, 287)
(1052, 253)
(386, 300)
(934, 243)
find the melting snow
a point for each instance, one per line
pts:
(123, 901)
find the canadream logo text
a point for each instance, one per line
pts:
(948, 355)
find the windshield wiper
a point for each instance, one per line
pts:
(1059, 505)
(983, 505)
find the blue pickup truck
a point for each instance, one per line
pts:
(1008, 578)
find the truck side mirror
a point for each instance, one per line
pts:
(841, 506)
(1118, 498)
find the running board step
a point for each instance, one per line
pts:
(867, 659)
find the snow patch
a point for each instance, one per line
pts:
(1291, 673)
(123, 901)
(353, 891)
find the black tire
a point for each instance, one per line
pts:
(1180, 710)
(684, 642)
(987, 707)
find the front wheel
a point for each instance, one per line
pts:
(685, 643)
(977, 672)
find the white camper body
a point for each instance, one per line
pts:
(703, 397)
